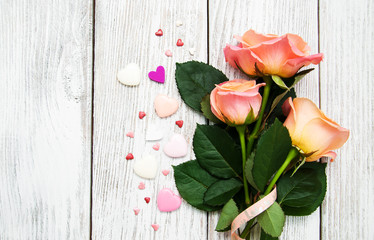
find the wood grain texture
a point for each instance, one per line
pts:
(228, 18)
(125, 32)
(347, 39)
(45, 131)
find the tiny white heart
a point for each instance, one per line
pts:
(192, 51)
(176, 147)
(179, 23)
(154, 134)
(146, 167)
(130, 75)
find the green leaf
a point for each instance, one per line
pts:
(222, 191)
(276, 109)
(272, 150)
(228, 214)
(195, 80)
(272, 220)
(248, 170)
(278, 80)
(207, 112)
(216, 152)
(301, 75)
(265, 236)
(192, 182)
(302, 193)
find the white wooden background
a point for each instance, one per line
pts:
(64, 116)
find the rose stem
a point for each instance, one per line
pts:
(293, 153)
(241, 131)
(265, 98)
(247, 229)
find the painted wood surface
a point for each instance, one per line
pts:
(347, 92)
(124, 33)
(45, 116)
(48, 97)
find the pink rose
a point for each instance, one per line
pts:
(311, 131)
(273, 55)
(236, 102)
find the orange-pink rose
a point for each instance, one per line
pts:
(273, 55)
(311, 131)
(236, 102)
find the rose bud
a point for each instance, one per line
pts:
(311, 131)
(236, 102)
(273, 55)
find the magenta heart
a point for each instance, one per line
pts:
(158, 76)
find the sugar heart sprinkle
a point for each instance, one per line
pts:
(136, 211)
(129, 156)
(180, 43)
(159, 33)
(142, 114)
(147, 199)
(130, 134)
(141, 186)
(165, 172)
(155, 226)
(156, 146)
(179, 123)
(168, 53)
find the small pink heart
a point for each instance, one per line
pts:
(165, 106)
(141, 186)
(156, 146)
(168, 53)
(167, 201)
(136, 211)
(130, 134)
(158, 75)
(176, 147)
(155, 227)
(165, 172)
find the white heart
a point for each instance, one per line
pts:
(192, 51)
(154, 134)
(130, 75)
(146, 167)
(176, 147)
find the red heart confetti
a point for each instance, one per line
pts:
(136, 211)
(129, 156)
(156, 147)
(141, 115)
(159, 33)
(180, 43)
(141, 186)
(179, 123)
(147, 199)
(155, 226)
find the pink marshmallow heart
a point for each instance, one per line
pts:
(136, 211)
(155, 227)
(176, 147)
(158, 75)
(165, 106)
(156, 146)
(165, 172)
(167, 201)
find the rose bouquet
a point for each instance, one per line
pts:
(257, 159)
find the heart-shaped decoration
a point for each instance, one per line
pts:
(130, 75)
(156, 147)
(136, 211)
(159, 33)
(165, 172)
(146, 167)
(147, 199)
(165, 106)
(142, 114)
(192, 51)
(129, 156)
(154, 134)
(180, 43)
(158, 75)
(130, 134)
(179, 123)
(176, 147)
(155, 226)
(168, 53)
(167, 201)
(141, 186)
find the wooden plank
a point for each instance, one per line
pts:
(347, 39)
(45, 131)
(124, 33)
(277, 17)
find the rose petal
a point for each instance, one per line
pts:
(242, 57)
(291, 66)
(298, 42)
(251, 38)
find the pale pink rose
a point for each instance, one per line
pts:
(311, 131)
(273, 55)
(236, 102)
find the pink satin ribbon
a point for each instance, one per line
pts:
(252, 212)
